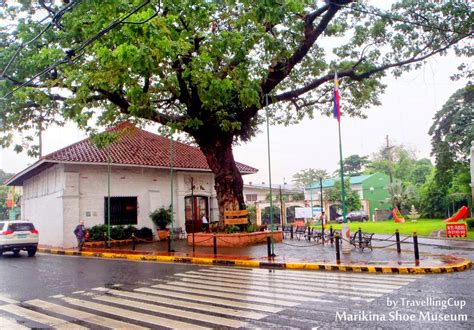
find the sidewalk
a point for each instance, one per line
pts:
(432, 241)
(295, 254)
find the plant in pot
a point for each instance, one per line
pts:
(161, 218)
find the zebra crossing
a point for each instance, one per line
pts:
(203, 298)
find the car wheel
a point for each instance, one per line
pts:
(365, 219)
(348, 220)
(32, 252)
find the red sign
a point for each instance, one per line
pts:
(456, 230)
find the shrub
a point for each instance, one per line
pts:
(161, 217)
(251, 228)
(129, 230)
(117, 232)
(144, 233)
(96, 233)
(470, 223)
(232, 229)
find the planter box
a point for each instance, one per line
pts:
(233, 240)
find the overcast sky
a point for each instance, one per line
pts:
(407, 110)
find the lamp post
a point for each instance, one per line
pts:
(108, 195)
(192, 211)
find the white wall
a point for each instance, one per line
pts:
(42, 204)
(58, 198)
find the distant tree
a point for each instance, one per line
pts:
(4, 176)
(333, 194)
(354, 165)
(399, 194)
(421, 171)
(308, 176)
(453, 129)
(433, 201)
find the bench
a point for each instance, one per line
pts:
(287, 230)
(366, 241)
(300, 232)
(179, 233)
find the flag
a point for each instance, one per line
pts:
(337, 109)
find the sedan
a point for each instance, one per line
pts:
(354, 216)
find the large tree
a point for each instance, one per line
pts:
(206, 67)
(308, 176)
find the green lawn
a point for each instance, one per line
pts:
(423, 227)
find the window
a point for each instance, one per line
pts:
(251, 197)
(123, 210)
(21, 227)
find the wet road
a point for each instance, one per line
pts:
(71, 292)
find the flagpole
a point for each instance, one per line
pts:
(346, 234)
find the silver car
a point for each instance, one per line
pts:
(18, 235)
(354, 216)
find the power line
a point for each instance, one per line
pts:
(72, 54)
(55, 19)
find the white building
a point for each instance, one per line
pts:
(72, 184)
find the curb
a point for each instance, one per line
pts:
(458, 267)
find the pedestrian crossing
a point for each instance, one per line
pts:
(203, 298)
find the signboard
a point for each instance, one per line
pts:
(303, 212)
(456, 230)
(236, 217)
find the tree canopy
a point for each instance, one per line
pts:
(308, 176)
(209, 68)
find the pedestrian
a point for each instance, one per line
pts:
(80, 233)
(205, 223)
(323, 218)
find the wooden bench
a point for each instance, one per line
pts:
(233, 218)
(366, 241)
(300, 232)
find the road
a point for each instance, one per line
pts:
(73, 292)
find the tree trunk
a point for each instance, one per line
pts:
(228, 180)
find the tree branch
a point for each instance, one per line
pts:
(282, 68)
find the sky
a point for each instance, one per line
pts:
(406, 114)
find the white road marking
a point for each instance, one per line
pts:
(82, 316)
(8, 300)
(300, 289)
(253, 290)
(175, 312)
(155, 320)
(187, 304)
(39, 317)
(10, 324)
(218, 301)
(227, 295)
(315, 278)
(403, 279)
(368, 290)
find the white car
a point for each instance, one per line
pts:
(17, 235)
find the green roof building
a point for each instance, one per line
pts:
(372, 190)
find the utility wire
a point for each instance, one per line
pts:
(72, 54)
(54, 20)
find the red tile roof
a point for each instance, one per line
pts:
(137, 147)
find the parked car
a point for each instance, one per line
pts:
(354, 216)
(18, 235)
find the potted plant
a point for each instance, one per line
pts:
(161, 218)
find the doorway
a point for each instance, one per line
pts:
(194, 208)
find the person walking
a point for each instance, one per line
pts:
(205, 223)
(80, 233)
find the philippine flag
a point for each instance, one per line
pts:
(337, 109)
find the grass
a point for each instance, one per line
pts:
(423, 227)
